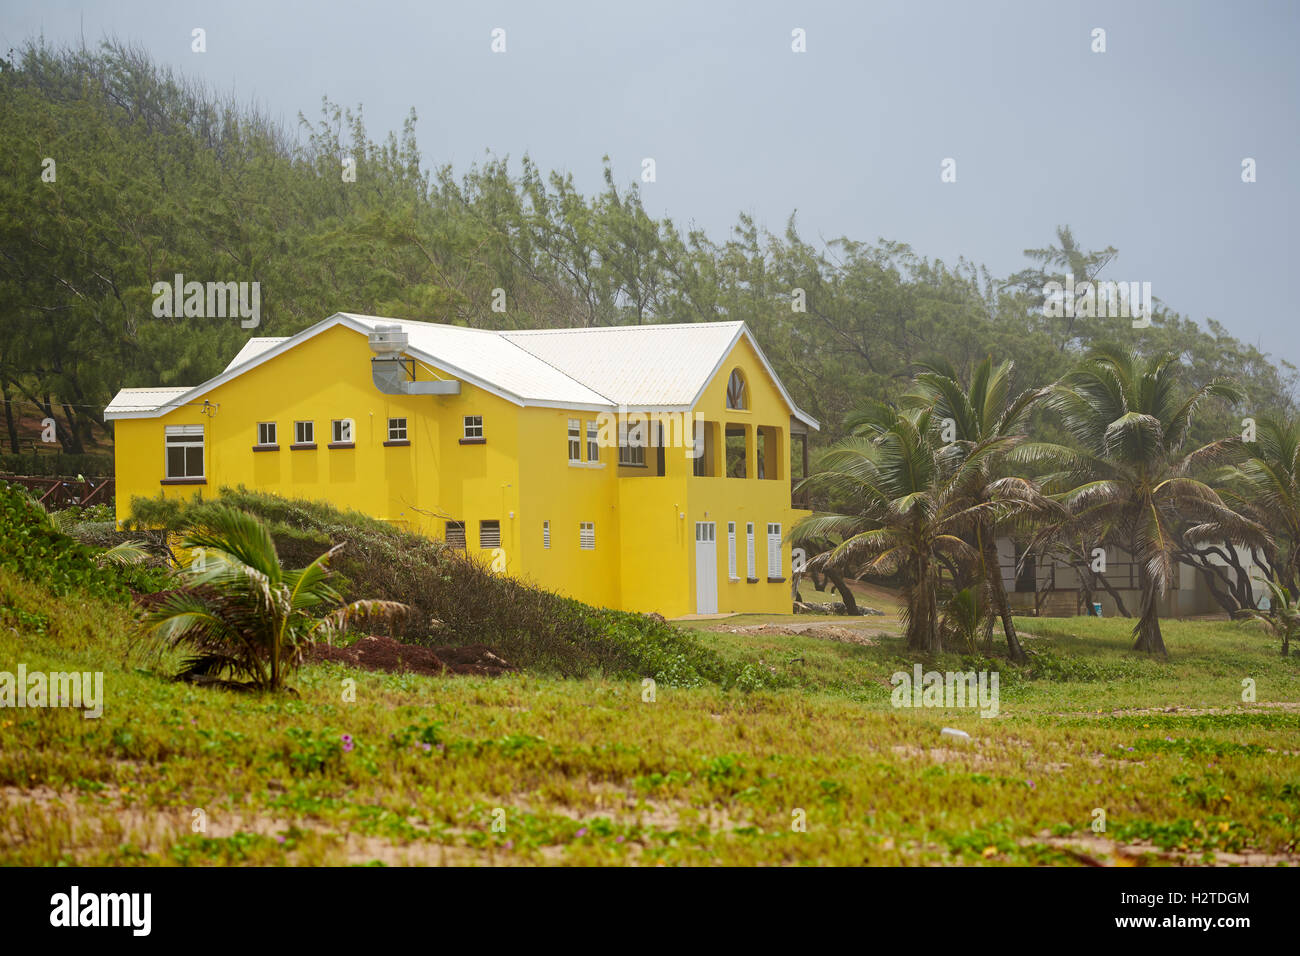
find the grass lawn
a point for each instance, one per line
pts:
(587, 772)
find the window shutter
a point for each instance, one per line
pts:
(774, 551)
(731, 550)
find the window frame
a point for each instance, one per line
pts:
(455, 526)
(188, 438)
(274, 435)
(343, 433)
(586, 536)
(575, 441)
(737, 391)
(472, 432)
(485, 527)
(297, 431)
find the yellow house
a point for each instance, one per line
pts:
(646, 468)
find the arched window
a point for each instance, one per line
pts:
(737, 393)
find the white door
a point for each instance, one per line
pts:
(706, 567)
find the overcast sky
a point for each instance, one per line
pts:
(1139, 147)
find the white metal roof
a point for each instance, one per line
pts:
(643, 367)
(636, 365)
(492, 361)
(253, 348)
(143, 399)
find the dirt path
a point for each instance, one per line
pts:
(850, 632)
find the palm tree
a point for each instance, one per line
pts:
(243, 613)
(910, 510)
(1130, 482)
(983, 413)
(1265, 487)
(1283, 615)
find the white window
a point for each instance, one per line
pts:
(266, 433)
(587, 535)
(456, 534)
(774, 551)
(546, 535)
(473, 426)
(342, 431)
(489, 534)
(184, 451)
(751, 566)
(304, 433)
(731, 551)
(593, 442)
(575, 440)
(397, 429)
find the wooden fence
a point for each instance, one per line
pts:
(62, 492)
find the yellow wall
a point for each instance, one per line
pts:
(722, 499)
(644, 549)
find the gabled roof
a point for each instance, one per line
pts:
(253, 348)
(644, 368)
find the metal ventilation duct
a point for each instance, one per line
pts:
(392, 373)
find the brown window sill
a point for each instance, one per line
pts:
(473, 441)
(628, 464)
(341, 444)
(184, 481)
(400, 443)
(752, 580)
(776, 580)
(310, 446)
(266, 448)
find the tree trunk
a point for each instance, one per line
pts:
(10, 424)
(1147, 630)
(850, 603)
(923, 621)
(998, 591)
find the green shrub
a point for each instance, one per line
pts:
(458, 600)
(32, 546)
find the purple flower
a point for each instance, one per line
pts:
(347, 743)
(280, 839)
(1031, 785)
(509, 844)
(427, 747)
(581, 833)
(618, 839)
